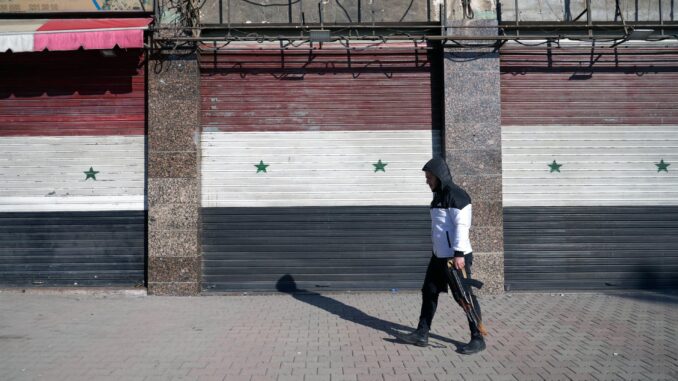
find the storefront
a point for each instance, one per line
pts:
(72, 152)
(311, 164)
(589, 143)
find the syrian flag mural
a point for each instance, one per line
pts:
(316, 168)
(589, 145)
(72, 173)
(72, 167)
(583, 166)
(311, 166)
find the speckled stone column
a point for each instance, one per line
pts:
(173, 173)
(473, 145)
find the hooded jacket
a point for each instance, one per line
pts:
(451, 212)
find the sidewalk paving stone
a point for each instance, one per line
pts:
(335, 337)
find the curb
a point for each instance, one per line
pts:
(103, 291)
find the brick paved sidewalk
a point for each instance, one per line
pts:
(334, 336)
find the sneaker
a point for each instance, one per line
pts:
(477, 344)
(417, 338)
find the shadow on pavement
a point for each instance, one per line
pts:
(287, 285)
(651, 296)
(648, 284)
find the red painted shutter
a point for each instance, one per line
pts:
(72, 93)
(589, 86)
(384, 87)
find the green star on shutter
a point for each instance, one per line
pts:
(261, 167)
(555, 167)
(91, 173)
(661, 166)
(380, 166)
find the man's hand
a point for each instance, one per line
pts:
(459, 263)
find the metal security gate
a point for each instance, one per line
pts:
(590, 153)
(72, 128)
(311, 166)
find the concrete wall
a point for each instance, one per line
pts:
(346, 11)
(602, 10)
(332, 11)
(338, 11)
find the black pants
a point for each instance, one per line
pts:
(435, 283)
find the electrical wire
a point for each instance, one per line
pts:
(345, 11)
(468, 11)
(271, 5)
(407, 11)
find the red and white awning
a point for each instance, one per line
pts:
(71, 34)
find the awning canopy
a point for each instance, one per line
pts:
(71, 34)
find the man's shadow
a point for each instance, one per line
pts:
(287, 285)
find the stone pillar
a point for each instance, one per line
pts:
(173, 175)
(473, 144)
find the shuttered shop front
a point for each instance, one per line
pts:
(311, 166)
(590, 154)
(72, 169)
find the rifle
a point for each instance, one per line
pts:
(460, 289)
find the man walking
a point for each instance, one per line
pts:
(450, 224)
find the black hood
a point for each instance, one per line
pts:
(439, 168)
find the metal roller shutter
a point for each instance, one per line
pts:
(72, 128)
(589, 146)
(311, 166)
